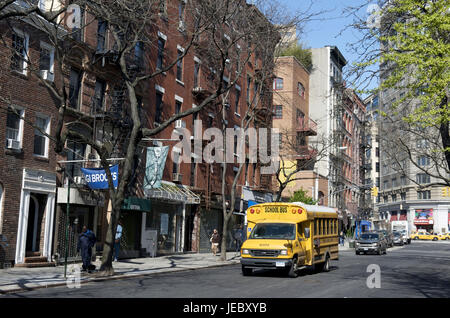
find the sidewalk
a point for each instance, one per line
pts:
(18, 279)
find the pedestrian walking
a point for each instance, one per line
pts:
(238, 238)
(341, 238)
(215, 240)
(86, 241)
(117, 240)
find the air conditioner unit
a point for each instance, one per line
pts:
(181, 26)
(79, 180)
(180, 124)
(177, 177)
(12, 144)
(197, 89)
(46, 75)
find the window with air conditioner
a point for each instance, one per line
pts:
(40, 139)
(46, 61)
(14, 128)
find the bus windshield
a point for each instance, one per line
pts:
(274, 231)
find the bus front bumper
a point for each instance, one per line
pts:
(269, 263)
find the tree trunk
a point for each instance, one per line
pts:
(106, 268)
(445, 134)
(223, 248)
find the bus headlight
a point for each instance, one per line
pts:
(283, 252)
(245, 251)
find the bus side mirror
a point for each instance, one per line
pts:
(307, 233)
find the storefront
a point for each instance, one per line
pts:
(85, 208)
(132, 216)
(164, 227)
(423, 219)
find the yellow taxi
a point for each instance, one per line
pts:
(445, 236)
(424, 236)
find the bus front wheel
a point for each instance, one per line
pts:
(293, 269)
(246, 271)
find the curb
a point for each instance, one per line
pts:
(115, 277)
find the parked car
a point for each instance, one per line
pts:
(388, 236)
(371, 242)
(424, 236)
(398, 238)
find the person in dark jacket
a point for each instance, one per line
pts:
(215, 240)
(86, 241)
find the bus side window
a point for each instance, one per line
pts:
(329, 226)
(315, 227)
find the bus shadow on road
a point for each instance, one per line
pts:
(281, 273)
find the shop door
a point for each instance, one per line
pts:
(179, 231)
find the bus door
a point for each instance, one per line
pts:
(300, 243)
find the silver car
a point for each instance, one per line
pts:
(371, 243)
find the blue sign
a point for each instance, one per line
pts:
(96, 178)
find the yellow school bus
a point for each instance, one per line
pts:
(290, 237)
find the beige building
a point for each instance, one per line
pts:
(291, 117)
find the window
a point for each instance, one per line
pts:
(236, 101)
(278, 83)
(180, 66)
(74, 88)
(394, 182)
(101, 35)
(1, 204)
(75, 151)
(377, 166)
(159, 61)
(403, 180)
(177, 107)
(423, 161)
(196, 72)
(19, 56)
(181, 7)
(424, 195)
(403, 196)
(278, 112)
(394, 198)
(422, 178)
(100, 87)
(46, 61)
(159, 105)
(300, 89)
(162, 7)
(14, 128)
(193, 166)
(139, 54)
(249, 82)
(40, 140)
(385, 184)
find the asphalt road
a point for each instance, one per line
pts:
(418, 270)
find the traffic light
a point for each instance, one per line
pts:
(445, 191)
(374, 191)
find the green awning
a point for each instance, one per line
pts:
(136, 204)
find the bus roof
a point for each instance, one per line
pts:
(315, 208)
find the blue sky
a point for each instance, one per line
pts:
(326, 29)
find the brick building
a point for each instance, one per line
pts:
(183, 212)
(291, 117)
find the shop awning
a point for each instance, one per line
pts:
(173, 192)
(136, 204)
